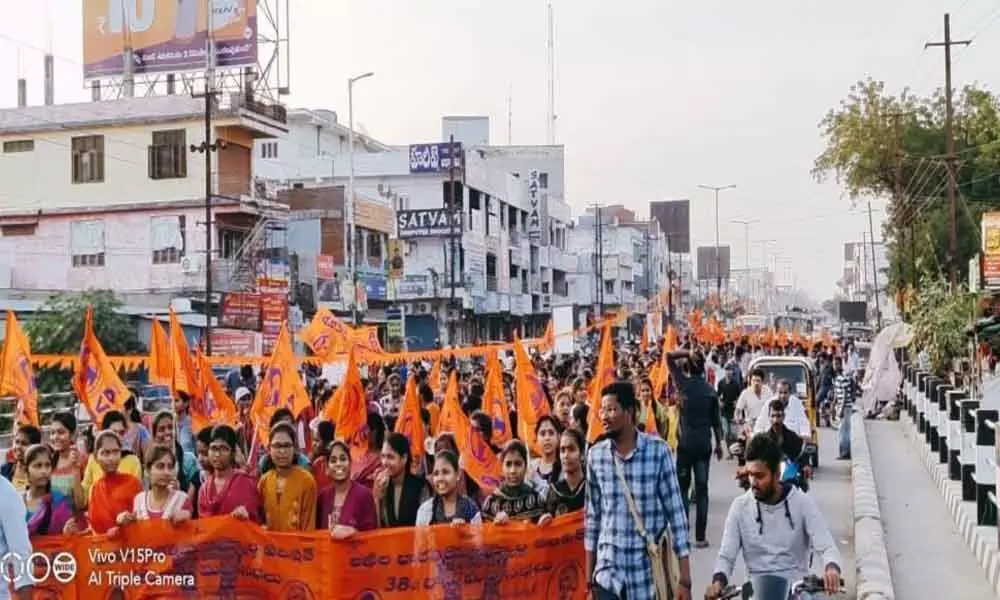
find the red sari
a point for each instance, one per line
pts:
(110, 496)
(240, 490)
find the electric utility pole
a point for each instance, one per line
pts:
(950, 147)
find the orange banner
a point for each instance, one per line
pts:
(221, 557)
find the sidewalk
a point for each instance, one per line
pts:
(927, 556)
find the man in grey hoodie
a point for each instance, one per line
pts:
(775, 525)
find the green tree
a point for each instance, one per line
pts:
(873, 153)
(57, 328)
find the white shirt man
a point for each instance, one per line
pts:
(753, 399)
(795, 413)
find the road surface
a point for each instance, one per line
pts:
(831, 488)
(927, 557)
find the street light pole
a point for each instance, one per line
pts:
(718, 256)
(349, 199)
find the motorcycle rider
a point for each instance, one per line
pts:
(749, 405)
(775, 525)
(789, 441)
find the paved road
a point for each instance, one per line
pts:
(831, 488)
(927, 557)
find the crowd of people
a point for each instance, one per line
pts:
(634, 484)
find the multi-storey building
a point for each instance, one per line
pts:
(112, 195)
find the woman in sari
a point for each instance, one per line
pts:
(16, 471)
(398, 492)
(165, 435)
(288, 491)
(112, 494)
(544, 470)
(344, 507)
(49, 512)
(516, 499)
(569, 492)
(447, 505)
(226, 490)
(364, 469)
(113, 421)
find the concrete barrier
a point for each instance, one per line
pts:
(873, 575)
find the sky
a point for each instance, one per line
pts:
(653, 97)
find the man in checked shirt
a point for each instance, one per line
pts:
(618, 565)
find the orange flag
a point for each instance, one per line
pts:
(183, 377)
(644, 340)
(495, 402)
(210, 405)
(478, 459)
(348, 409)
(532, 403)
(604, 375)
(281, 386)
(325, 334)
(650, 420)
(95, 381)
(367, 339)
(17, 377)
(409, 422)
(160, 358)
(434, 377)
(549, 337)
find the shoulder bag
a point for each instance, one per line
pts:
(666, 580)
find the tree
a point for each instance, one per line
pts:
(940, 319)
(861, 155)
(58, 329)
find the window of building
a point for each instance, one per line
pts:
(88, 159)
(269, 150)
(167, 238)
(375, 246)
(19, 146)
(87, 243)
(168, 155)
(18, 229)
(543, 180)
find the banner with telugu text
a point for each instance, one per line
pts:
(222, 558)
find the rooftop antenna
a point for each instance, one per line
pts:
(551, 81)
(510, 113)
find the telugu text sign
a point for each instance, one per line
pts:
(432, 158)
(167, 36)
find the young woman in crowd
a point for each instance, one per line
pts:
(564, 406)
(67, 459)
(544, 470)
(569, 492)
(287, 491)
(162, 500)
(165, 435)
(516, 499)
(126, 463)
(16, 471)
(320, 453)
(398, 492)
(466, 485)
(578, 419)
(447, 505)
(344, 507)
(365, 468)
(137, 437)
(113, 493)
(227, 490)
(49, 512)
(264, 462)
(201, 442)
(648, 403)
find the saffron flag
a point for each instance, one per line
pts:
(95, 381)
(325, 334)
(603, 376)
(478, 459)
(348, 409)
(409, 422)
(281, 386)
(17, 377)
(210, 405)
(434, 378)
(532, 403)
(182, 378)
(495, 400)
(160, 358)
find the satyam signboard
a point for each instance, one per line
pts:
(426, 223)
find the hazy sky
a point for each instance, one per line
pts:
(654, 96)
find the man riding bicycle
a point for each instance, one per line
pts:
(775, 525)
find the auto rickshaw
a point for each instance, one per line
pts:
(798, 370)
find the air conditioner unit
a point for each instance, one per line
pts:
(190, 264)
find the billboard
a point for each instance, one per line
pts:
(167, 37)
(852, 312)
(990, 237)
(710, 258)
(426, 223)
(433, 158)
(674, 217)
(534, 214)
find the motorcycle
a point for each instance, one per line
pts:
(793, 471)
(775, 587)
